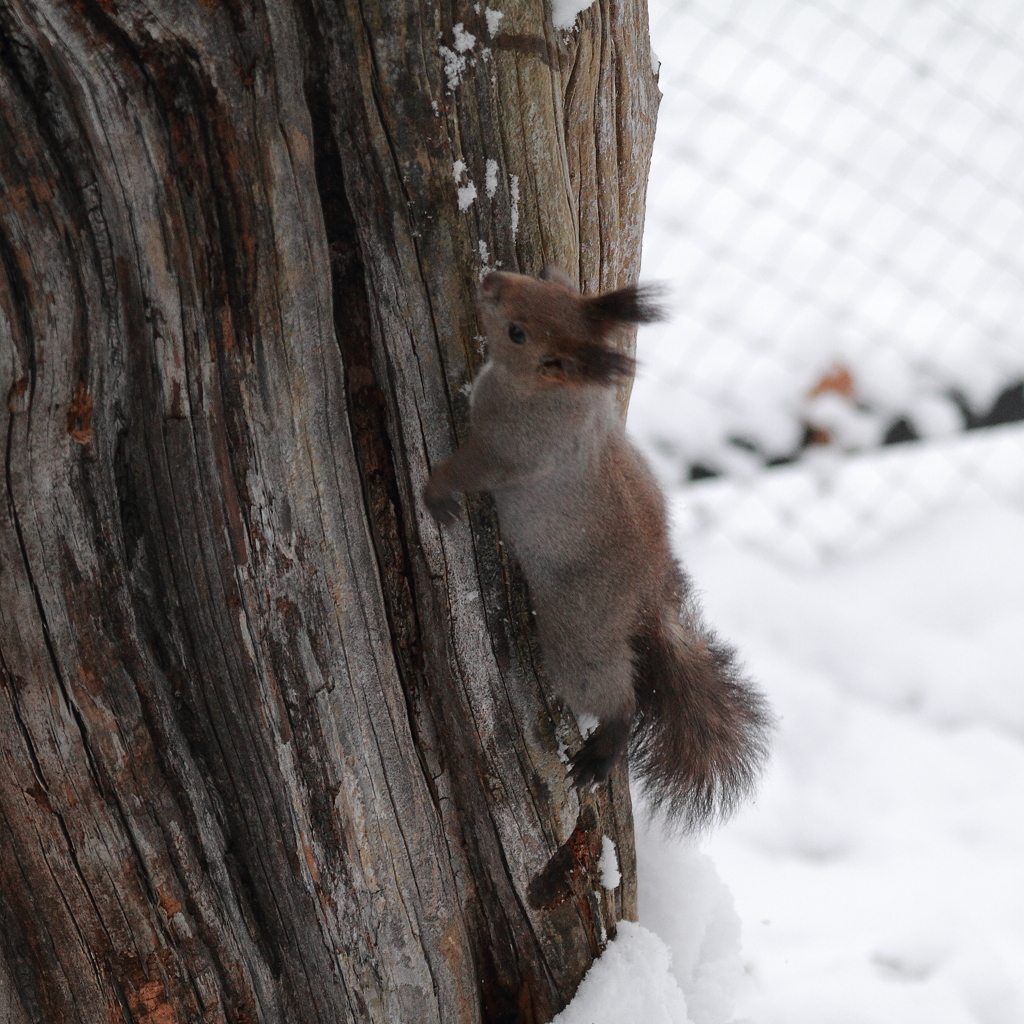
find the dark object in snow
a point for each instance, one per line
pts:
(620, 632)
(1007, 408)
(900, 431)
(698, 471)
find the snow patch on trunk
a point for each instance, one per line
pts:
(608, 865)
(565, 12)
(493, 21)
(513, 188)
(491, 178)
(466, 193)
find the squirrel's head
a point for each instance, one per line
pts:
(544, 329)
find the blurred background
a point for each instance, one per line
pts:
(836, 409)
(837, 203)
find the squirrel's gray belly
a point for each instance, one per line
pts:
(545, 524)
(585, 615)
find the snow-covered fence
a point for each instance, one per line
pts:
(837, 203)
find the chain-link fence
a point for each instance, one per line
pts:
(837, 203)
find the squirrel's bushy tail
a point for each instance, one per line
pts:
(700, 736)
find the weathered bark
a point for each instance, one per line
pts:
(273, 747)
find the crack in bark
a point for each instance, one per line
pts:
(51, 652)
(367, 411)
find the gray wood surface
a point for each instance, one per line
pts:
(272, 747)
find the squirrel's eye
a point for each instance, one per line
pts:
(517, 334)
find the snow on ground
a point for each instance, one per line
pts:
(879, 877)
(632, 981)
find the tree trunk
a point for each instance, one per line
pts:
(274, 748)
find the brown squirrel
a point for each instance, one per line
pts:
(620, 633)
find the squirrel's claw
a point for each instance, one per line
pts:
(445, 508)
(593, 761)
(587, 770)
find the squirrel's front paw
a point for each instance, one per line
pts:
(445, 507)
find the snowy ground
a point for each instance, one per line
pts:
(879, 878)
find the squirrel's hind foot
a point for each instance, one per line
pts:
(591, 764)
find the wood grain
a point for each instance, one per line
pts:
(273, 748)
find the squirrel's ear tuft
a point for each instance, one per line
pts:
(633, 304)
(556, 275)
(603, 365)
(491, 285)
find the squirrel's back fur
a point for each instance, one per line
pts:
(620, 633)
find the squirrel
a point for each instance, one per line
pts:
(621, 635)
